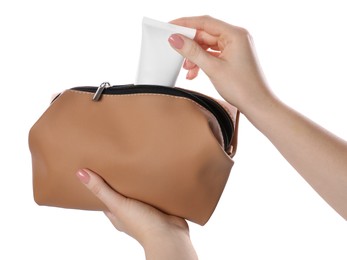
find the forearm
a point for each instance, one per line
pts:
(319, 156)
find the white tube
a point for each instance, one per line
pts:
(159, 63)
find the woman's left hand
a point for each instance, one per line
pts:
(162, 236)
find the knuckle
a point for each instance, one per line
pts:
(96, 188)
(194, 52)
(206, 17)
(243, 33)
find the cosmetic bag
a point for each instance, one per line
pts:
(171, 148)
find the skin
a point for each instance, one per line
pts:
(236, 74)
(162, 236)
(227, 56)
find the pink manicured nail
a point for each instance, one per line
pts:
(176, 41)
(185, 64)
(83, 176)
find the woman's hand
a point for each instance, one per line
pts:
(227, 55)
(162, 236)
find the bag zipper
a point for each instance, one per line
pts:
(99, 91)
(222, 116)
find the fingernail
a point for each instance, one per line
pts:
(176, 41)
(83, 176)
(188, 75)
(185, 65)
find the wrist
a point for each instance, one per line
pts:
(263, 111)
(168, 244)
(258, 103)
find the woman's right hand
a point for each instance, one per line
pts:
(319, 156)
(227, 55)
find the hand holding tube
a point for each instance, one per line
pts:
(227, 55)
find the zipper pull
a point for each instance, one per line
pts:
(99, 91)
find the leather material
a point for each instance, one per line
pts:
(155, 148)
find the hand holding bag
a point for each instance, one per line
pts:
(169, 147)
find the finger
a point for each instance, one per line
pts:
(194, 52)
(205, 23)
(192, 73)
(192, 68)
(214, 53)
(188, 65)
(54, 96)
(206, 39)
(100, 188)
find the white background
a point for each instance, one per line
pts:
(267, 210)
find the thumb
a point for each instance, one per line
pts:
(112, 199)
(192, 51)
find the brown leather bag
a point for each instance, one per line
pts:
(168, 147)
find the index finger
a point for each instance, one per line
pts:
(205, 23)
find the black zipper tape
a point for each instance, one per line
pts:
(222, 116)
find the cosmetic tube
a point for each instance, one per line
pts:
(159, 63)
